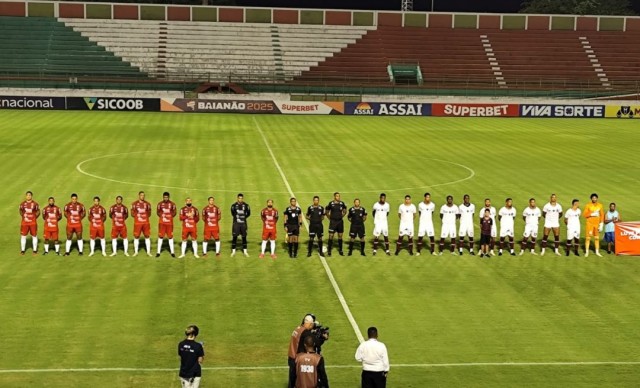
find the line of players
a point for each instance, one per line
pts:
(335, 211)
(552, 213)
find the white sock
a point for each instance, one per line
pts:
(67, 245)
(104, 246)
(80, 245)
(264, 246)
(184, 247)
(147, 243)
(217, 247)
(171, 249)
(136, 245)
(245, 251)
(273, 246)
(160, 241)
(46, 247)
(194, 246)
(23, 243)
(92, 245)
(114, 245)
(204, 247)
(126, 245)
(34, 243)
(57, 247)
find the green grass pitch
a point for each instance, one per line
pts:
(447, 321)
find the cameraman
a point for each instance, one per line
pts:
(296, 345)
(191, 356)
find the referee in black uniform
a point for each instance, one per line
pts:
(357, 216)
(336, 210)
(240, 211)
(315, 215)
(292, 223)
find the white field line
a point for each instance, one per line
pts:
(343, 302)
(81, 169)
(355, 366)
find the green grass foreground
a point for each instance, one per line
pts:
(507, 321)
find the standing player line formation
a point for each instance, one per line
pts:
(335, 211)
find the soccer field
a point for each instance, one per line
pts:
(450, 321)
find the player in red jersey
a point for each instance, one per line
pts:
(29, 212)
(189, 217)
(97, 217)
(141, 211)
(51, 215)
(166, 211)
(211, 217)
(74, 212)
(119, 214)
(269, 217)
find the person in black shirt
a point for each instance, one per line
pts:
(315, 215)
(292, 224)
(240, 211)
(191, 356)
(357, 215)
(336, 210)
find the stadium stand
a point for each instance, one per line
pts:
(43, 46)
(241, 52)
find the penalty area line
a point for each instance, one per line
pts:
(355, 366)
(332, 279)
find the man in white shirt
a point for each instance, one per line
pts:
(449, 213)
(531, 217)
(375, 361)
(572, 220)
(467, 209)
(380, 223)
(407, 213)
(507, 216)
(551, 212)
(426, 209)
(494, 229)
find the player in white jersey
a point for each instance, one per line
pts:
(380, 223)
(467, 209)
(494, 229)
(507, 216)
(426, 209)
(407, 213)
(449, 213)
(531, 217)
(572, 220)
(551, 212)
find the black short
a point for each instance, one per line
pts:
(356, 231)
(293, 229)
(316, 230)
(485, 239)
(336, 226)
(239, 229)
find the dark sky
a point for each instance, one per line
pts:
(498, 6)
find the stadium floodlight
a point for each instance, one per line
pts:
(407, 5)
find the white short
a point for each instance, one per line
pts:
(530, 231)
(573, 233)
(406, 230)
(494, 230)
(506, 232)
(448, 230)
(466, 229)
(550, 225)
(426, 229)
(381, 230)
(190, 383)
